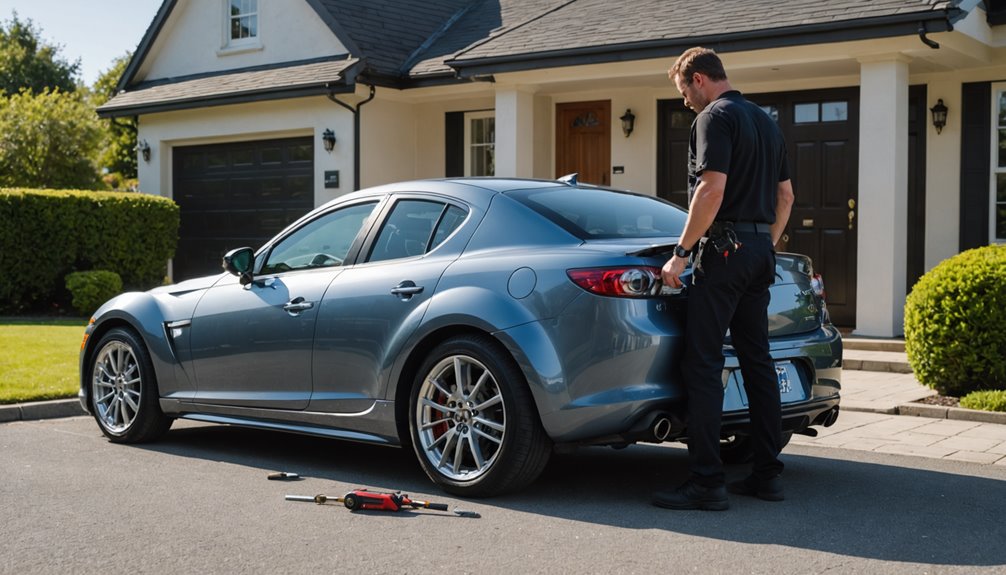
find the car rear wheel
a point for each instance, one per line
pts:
(737, 448)
(124, 390)
(473, 422)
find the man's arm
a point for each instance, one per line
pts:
(701, 214)
(783, 207)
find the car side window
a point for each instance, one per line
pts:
(322, 242)
(451, 220)
(409, 229)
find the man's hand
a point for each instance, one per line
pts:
(671, 272)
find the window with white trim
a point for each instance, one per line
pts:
(242, 23)
(997, 219)
(480, 143)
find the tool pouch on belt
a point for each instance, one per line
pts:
(722, 240)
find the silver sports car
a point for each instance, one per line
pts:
(480, 321)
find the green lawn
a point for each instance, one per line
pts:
(38, 358)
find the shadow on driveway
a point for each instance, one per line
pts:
(883, 507)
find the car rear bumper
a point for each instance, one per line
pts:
(641, 409)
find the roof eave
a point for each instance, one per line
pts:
(145, 44)
(887, 27)
(224, 100)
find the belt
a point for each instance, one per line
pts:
(744, 227)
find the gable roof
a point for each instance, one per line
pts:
(412, 43)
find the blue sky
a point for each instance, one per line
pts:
(95, 31)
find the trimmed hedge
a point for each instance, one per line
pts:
(92, 288)
(955, 323)
(994, 400)
(47, 234)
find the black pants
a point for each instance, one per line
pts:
(732, 293)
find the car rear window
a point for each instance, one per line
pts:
(591, 213)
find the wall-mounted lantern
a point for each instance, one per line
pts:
(628, 122)
(328, 139)
(939, 115)
(144, 149)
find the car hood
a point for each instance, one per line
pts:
(187, 286)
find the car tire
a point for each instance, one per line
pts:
(124, 398)
(737, 448)
(482, 437)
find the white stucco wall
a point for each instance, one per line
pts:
(195, 35)
(256, 121)
(388, 142)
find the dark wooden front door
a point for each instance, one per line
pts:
(583, 140)
(821, 129)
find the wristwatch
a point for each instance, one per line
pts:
(681, 252)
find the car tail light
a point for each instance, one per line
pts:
(817, 284)
(636, 281)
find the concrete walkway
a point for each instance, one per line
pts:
(879, 414)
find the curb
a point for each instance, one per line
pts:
(41, 410)
(71, 408)
(955, 413)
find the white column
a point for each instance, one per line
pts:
(943, 174)
(515, 131)
(882, 213)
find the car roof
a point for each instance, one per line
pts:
(479, 189)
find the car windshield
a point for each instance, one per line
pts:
(590, 213)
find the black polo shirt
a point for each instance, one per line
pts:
(736, 137)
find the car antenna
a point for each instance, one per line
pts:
(570, 179)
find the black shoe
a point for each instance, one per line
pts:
(767, 489)
(691, 495)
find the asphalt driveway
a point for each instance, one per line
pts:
(199, 501)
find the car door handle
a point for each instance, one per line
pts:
(406, 289)
(297, 305)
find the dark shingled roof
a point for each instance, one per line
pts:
(304, 78)
(594, 25)
(389, 32)
(481, 21)
(407, 43)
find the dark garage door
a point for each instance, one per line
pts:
(237, 194)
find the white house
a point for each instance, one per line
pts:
(253, 111)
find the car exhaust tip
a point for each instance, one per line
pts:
(832, 417)
(662, 428)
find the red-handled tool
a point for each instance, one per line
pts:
(361, 499)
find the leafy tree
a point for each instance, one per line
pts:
(118, 153)
(48, 140)
(27, 62)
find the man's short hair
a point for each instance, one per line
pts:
(698, 60)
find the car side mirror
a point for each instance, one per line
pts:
(239, 262)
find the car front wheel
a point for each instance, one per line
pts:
(474, 425)
(124, 389)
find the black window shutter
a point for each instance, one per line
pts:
(455, 145)
(976, 129)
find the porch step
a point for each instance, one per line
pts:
(873, 343)
(871, 360)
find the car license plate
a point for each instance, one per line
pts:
(791, 387)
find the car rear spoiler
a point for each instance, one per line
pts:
(653, 250)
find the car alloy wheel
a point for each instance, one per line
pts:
(124, 391)
(116, 386)
(462, 418)
(474, 424)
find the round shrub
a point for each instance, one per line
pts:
(994, 400)
(90, 289)
(955, 323)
